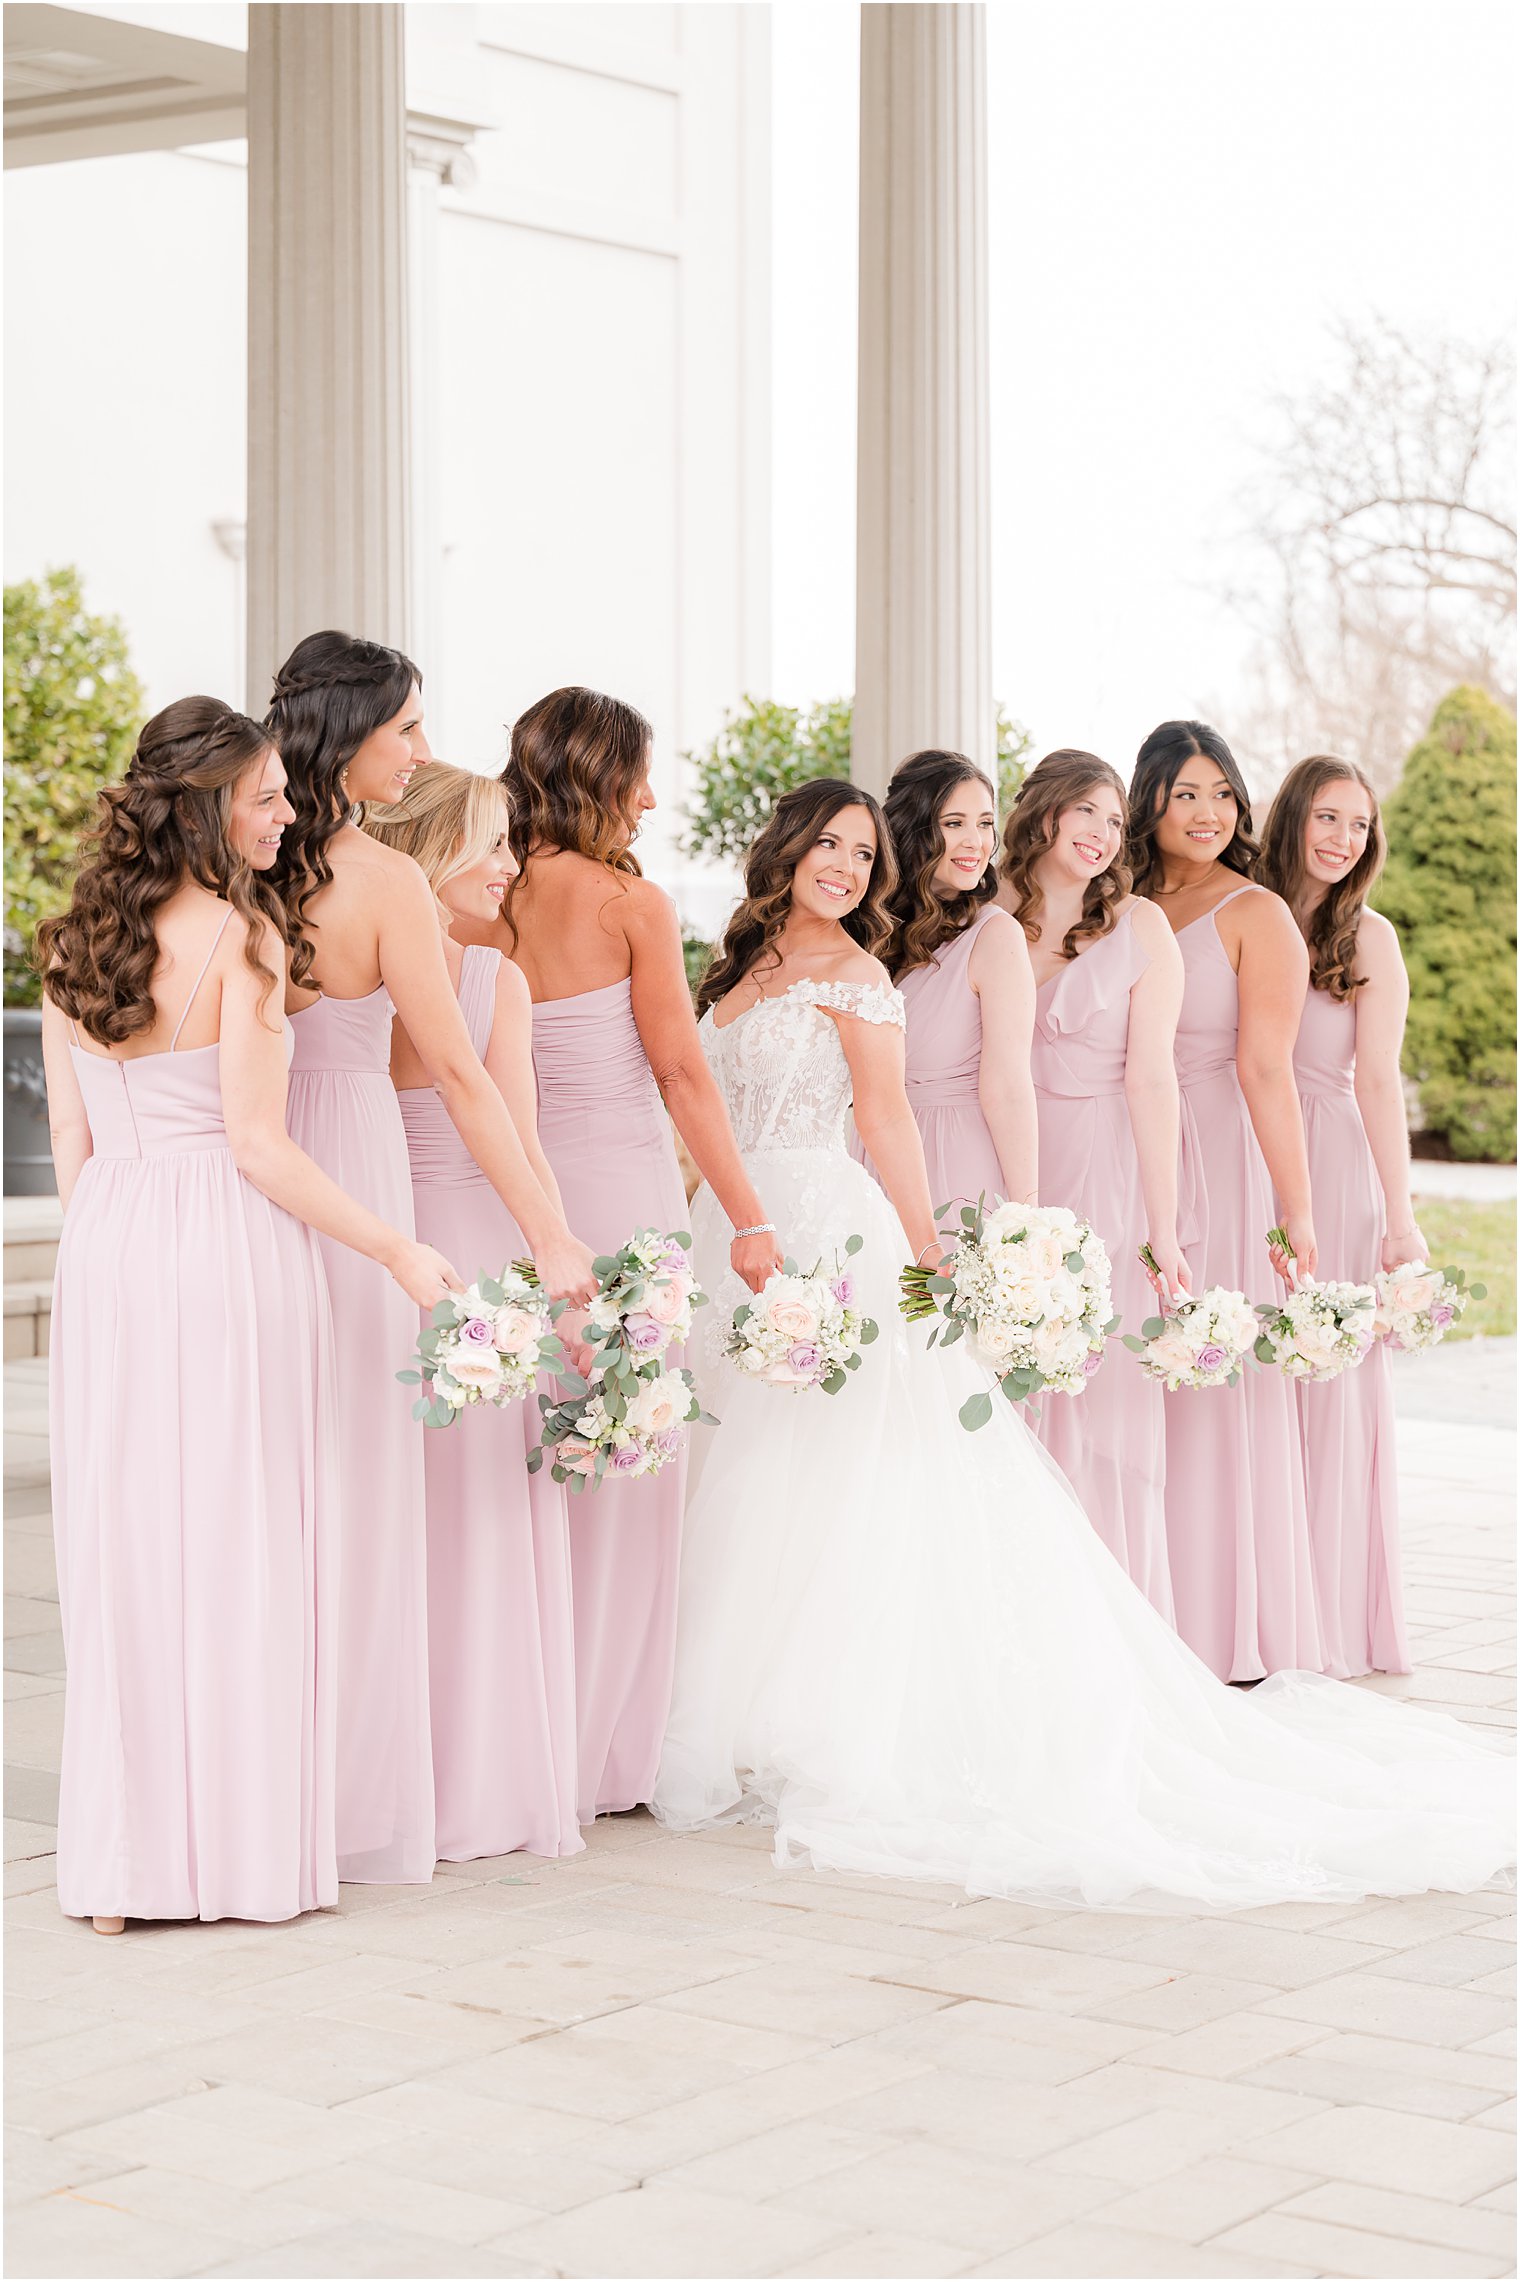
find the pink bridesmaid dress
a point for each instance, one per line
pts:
(1110, 1440)
(944, 1064)
(343, 1112)
(1349, 1462)
(605, 1132)
(194, 1517)
(502, 1662)
(1236, 1516)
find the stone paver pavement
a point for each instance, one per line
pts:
(668, 2058)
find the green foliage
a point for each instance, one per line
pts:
(73, 707)
(696, 951)
(1450, 891)
(1482, 1237)
(763, 749)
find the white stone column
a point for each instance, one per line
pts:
(328, 433)
(923, 668)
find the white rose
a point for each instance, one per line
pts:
(996, 1338)
(659, 1405)
(480, 1369)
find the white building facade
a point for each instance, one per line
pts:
(588, 352)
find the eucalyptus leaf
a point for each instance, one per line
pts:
(975, 1411)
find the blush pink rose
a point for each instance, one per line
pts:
(666, 1303)
(793, 1318)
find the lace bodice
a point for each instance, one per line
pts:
(781, 1065)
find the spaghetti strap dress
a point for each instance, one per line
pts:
(343, 1112)
(194, 1515)
(944, 1059)
(502, 1660)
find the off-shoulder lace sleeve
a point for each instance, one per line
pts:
(869, 1002)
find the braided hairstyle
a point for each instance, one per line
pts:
(332, 692)
(165, 824)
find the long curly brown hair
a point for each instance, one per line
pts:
(1158, 765)
(923, 915)
(332, 692)
(577, 760)
(1051, 786)
(798, 818)
(1330, 928)
(164, 824)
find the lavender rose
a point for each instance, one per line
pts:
(843, 1288)
(1212, 1357)
(624, 1458)
(478, 1332)
(644, 1335)
(804, 1357)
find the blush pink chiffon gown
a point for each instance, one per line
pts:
(343, 1112)
(605, 1132)
(944, 1065)
(194, 1517)
(1237, 1522)
(1110, 1440)
(1350, 1466)
(502, 1663)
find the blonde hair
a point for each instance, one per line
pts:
(446, 820)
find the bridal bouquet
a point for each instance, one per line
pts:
(801, 1330)
(1031, 1284)
(627, 1417)
(1196, 1342)
(1319, 1330)
(1417, 1306)
(484, 1345)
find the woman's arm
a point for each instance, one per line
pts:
(1274, 978)
(1381, 1006)
(415, 972)
(253, 1082)
(509, 1066)
(1150, 1089)
(68, 1123)
(1003, 979)
(877, 1055)
(667, 1028)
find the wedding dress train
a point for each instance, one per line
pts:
(904, 1644)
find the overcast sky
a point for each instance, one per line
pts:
(1184, 194)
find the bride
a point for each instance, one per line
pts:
(902, 1642)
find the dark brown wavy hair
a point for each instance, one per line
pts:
(164, 824)
(332, 692)
(1050, 786)
(798, 818)
(923, 916)
(1330, 928)
(577, 759)
(1158, 765)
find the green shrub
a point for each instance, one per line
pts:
(696, 951)
(73, 707)
(1450, 890)
(764, 749)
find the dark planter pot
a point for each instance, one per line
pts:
(28, 1149)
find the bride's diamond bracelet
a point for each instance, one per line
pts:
(761, 1228)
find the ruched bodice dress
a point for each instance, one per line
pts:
(194, 1515)
(944, 1070)
(1236, 1519)
(343, 1113)
(902, 1643)
(1350, 1466)
(502, 1666)
(1110, 1440)
(605, 1132)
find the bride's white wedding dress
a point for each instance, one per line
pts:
(904, 1643)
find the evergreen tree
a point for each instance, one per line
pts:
(1449, 888)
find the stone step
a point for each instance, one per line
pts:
(28, 1313)
(32, 1228)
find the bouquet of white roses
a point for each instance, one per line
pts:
(802, 1329)
(627, 1418)
(1195, 1342)
(1319, 1330)
(1031, 1284)
(484, 1345)
(1417, 1306)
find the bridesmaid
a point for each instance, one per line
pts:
(348, 719)
(1109, 978)
(501, 1665)
(965, 977)
(1321, 852)
(613, 1033)
(193, 1481)
(1236, 1515)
